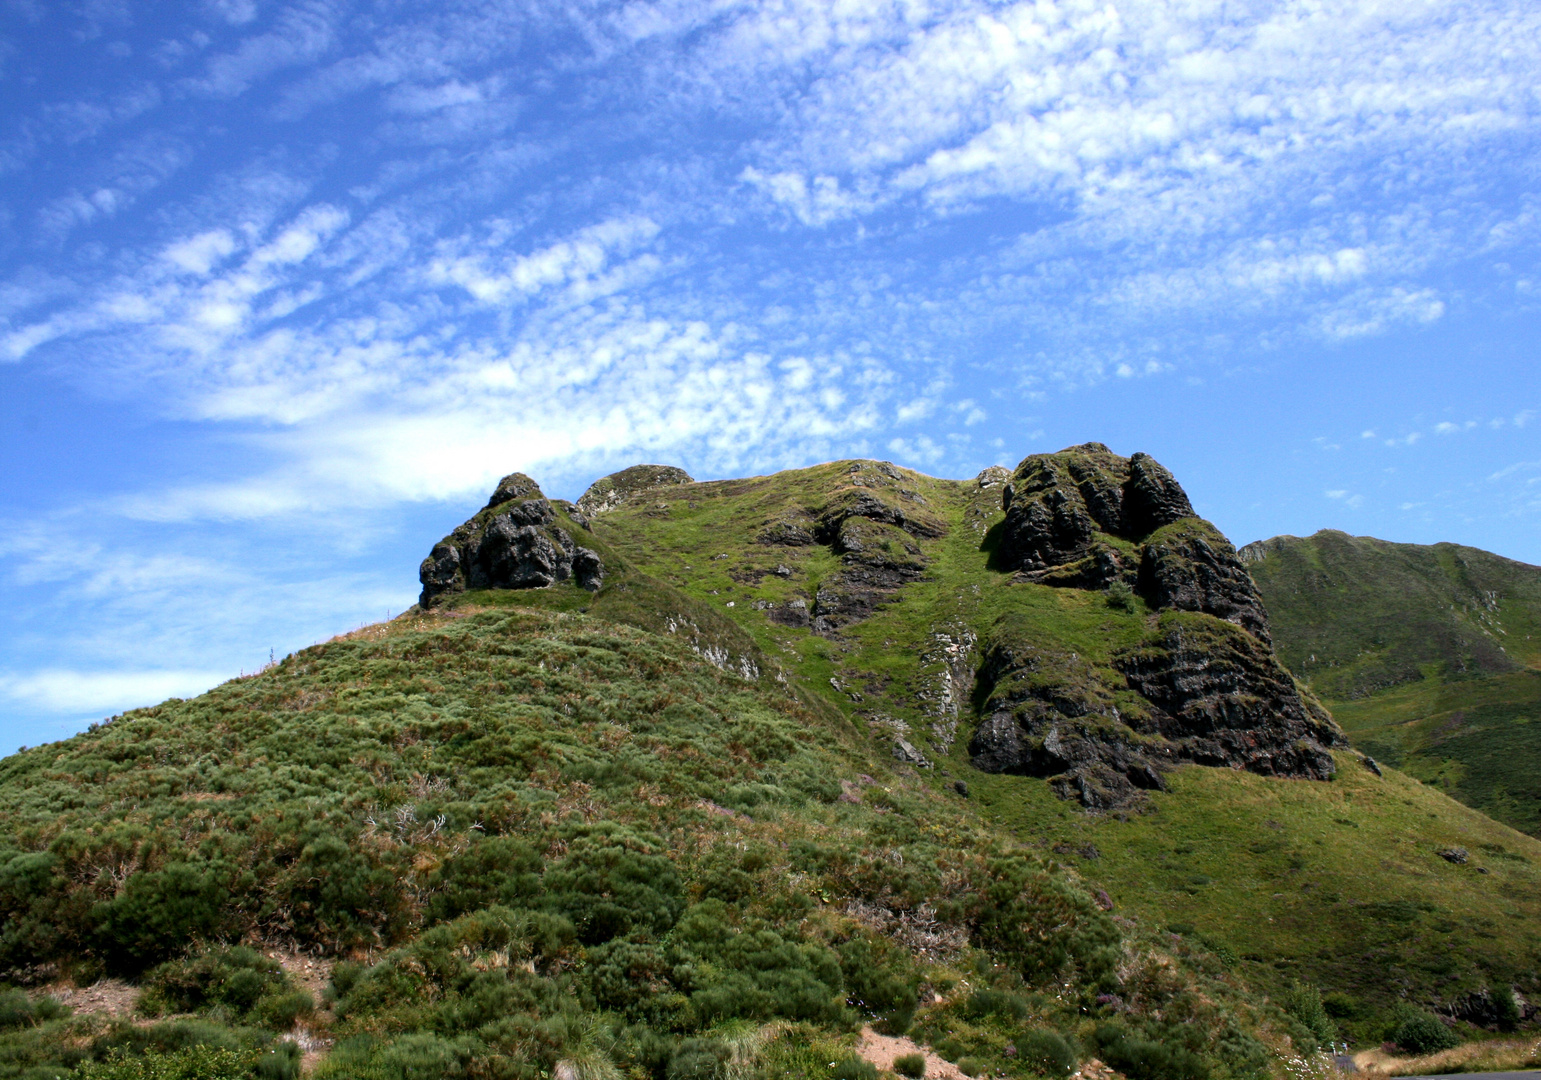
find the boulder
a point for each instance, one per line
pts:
(512, 543)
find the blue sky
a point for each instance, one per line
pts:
(285, 287)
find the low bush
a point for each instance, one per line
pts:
(983, 1003)
(950, 1048)
(1142, 1059)
(193, 1063)
(613, 880)
(969, 1066)
(18, 1010)
(854, 1068)
(911, 1065)
(1304, 1003)
(880, 982)
(699, 1059)
(1418, 1032)
(1047, 1053)
(239, 981)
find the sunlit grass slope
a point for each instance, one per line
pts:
(1339, 884)
(1429, 656)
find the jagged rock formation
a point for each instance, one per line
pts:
(1203, 684)
(608, 492)
(514, 542)
(873, 525)
(1085, 518)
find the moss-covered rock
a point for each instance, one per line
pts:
(608, 492)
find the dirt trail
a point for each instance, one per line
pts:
(881, 1050)
(110, 997)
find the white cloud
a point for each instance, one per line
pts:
(578, 263)
(101, 692)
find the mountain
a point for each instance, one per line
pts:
(1429, 656)
(692, 780)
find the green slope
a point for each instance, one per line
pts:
(660, 831)
(1429, 656)
(1369, 845)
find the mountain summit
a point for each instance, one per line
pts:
(1175, 663)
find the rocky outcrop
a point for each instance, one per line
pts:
(608, 492)
(1197, 690)
(1189, 566)
(515, 542)
(1202, 685)
(1084, 518)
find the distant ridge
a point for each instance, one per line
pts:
(1430, 656)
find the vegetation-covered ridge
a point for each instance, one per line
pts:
(705, 811)
(1430, 656)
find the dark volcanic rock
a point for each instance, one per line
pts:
(514, 543)
(1222, 698)
(1072, 517)
(514, 486)
(875, 507)
(611, 491)
(1203, 691)
(1204, 686)
(1152, 497)
(1051, 713)
(1189, 566)
(786, 534)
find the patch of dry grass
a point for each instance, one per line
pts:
(1493, 1055)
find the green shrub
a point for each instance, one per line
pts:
(950, 1048)
(699, 1059)
(1506, 1008)
(1047, 1053)
(158, 912)
(983, 1003)
(970, 1066)
(279, 1011)
(241, 980)
(341, 898)
(1120, 596)
(193, 1063)
(1042, 924)
(854, 1068)
(1419, 1033)
(15, 1009)
(280, 1062)
(880, 982)
(498, 870)
(732, 968)
(1304, 1002)
(911, 1065)
(1142, 1059)
(1341, 1006)
(614, 880)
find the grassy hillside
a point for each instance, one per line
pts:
(1430, 657)
(707, 821)
(1338, 884)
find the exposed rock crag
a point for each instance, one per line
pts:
(515, 542)
(1203, 686)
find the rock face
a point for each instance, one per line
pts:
(1201, 685)
(608, 492)
(874, 524)
(1085, 518)
(514, 542)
